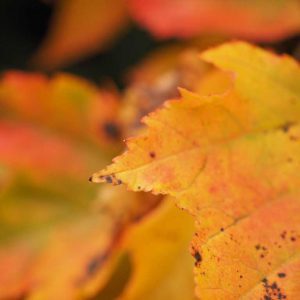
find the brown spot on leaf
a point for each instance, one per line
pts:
(272, 291)
(108, 179)
(283, 235)
(285, 127)
(198, 258)
(111, 179)
(112, 130)
(152, 154)
(95, 264)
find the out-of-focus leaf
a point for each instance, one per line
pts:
(233, 162)
(73, 252)
(24, 147)
(158, 77)
(79, 28)
(60, 261)
(64, 103)
(256, 20)
(53, 239)
(158, 247)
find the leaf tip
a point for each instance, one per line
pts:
(110, 178)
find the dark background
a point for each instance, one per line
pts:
(24, 23)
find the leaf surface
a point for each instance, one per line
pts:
(50, 133)
(80, 28)
(232, 160)
(64, 103)
(257, 20)
(158, 247)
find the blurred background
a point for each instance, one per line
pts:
(76, 78)
(25, 24)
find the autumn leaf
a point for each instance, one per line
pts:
(158, 248)
(157, 77)
(79, 28)
(51, 132)
(44, 195)
(73, 106)
(257, 20)
(232, 162)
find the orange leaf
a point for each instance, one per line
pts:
(80, 28)
(232, 160)
(49, 142)
(257, 20)
(66, 103)
(23, 147)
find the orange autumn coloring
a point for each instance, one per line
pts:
(233, 163)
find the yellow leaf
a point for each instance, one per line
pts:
(232, 160)
(158, 247)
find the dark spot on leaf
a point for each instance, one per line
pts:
(112, 130)
(197, 257)
(108, 179)
(274, 286)
(95, 264)
(283, 234)
(92, 267)
(222, 229)
(264, 280)
(281, 275)
(285, 127)
(272, 291)
(152, 154)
